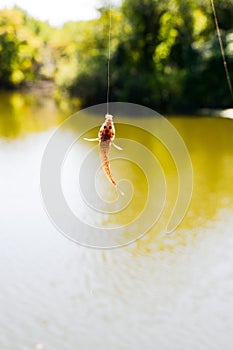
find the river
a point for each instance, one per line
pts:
(160, 292)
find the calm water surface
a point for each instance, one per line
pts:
(162, 292)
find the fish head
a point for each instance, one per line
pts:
(107, 130)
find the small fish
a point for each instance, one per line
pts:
(106, 137)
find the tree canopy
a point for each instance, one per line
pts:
(164, 54)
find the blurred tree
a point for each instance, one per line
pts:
(134, 72)
(23, 44)
(168, 59)
(165, 54)
(88, 80)
(206, 84)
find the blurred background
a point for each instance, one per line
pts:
(170, 48)
(165, 292)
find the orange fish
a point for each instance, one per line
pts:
(106, 137)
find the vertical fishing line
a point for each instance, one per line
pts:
(222, 49)
(109, 55)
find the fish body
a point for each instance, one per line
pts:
(104, 158)
(106, 137)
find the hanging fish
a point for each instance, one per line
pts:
(106, 137)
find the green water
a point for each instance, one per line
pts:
(164, 291)
(21, 114)
(209, 142)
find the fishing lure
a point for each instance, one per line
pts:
(106, 137)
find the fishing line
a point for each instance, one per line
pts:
(222, 49)
(109, 55)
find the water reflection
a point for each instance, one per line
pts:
(164, 292)
(210, 144)
(209, 141)
(22, 113)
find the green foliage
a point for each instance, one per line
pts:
(186, 70)
(164, 54)
(87, 53)
(26, 53)
(206, 83)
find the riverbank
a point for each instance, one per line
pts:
(225, 113)
(47, 88)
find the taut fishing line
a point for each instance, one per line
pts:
(222, 49)
(109, 55)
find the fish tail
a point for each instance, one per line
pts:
(108, 173)
(111, 178)
(120, 191)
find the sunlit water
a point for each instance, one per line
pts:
(162, 292)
